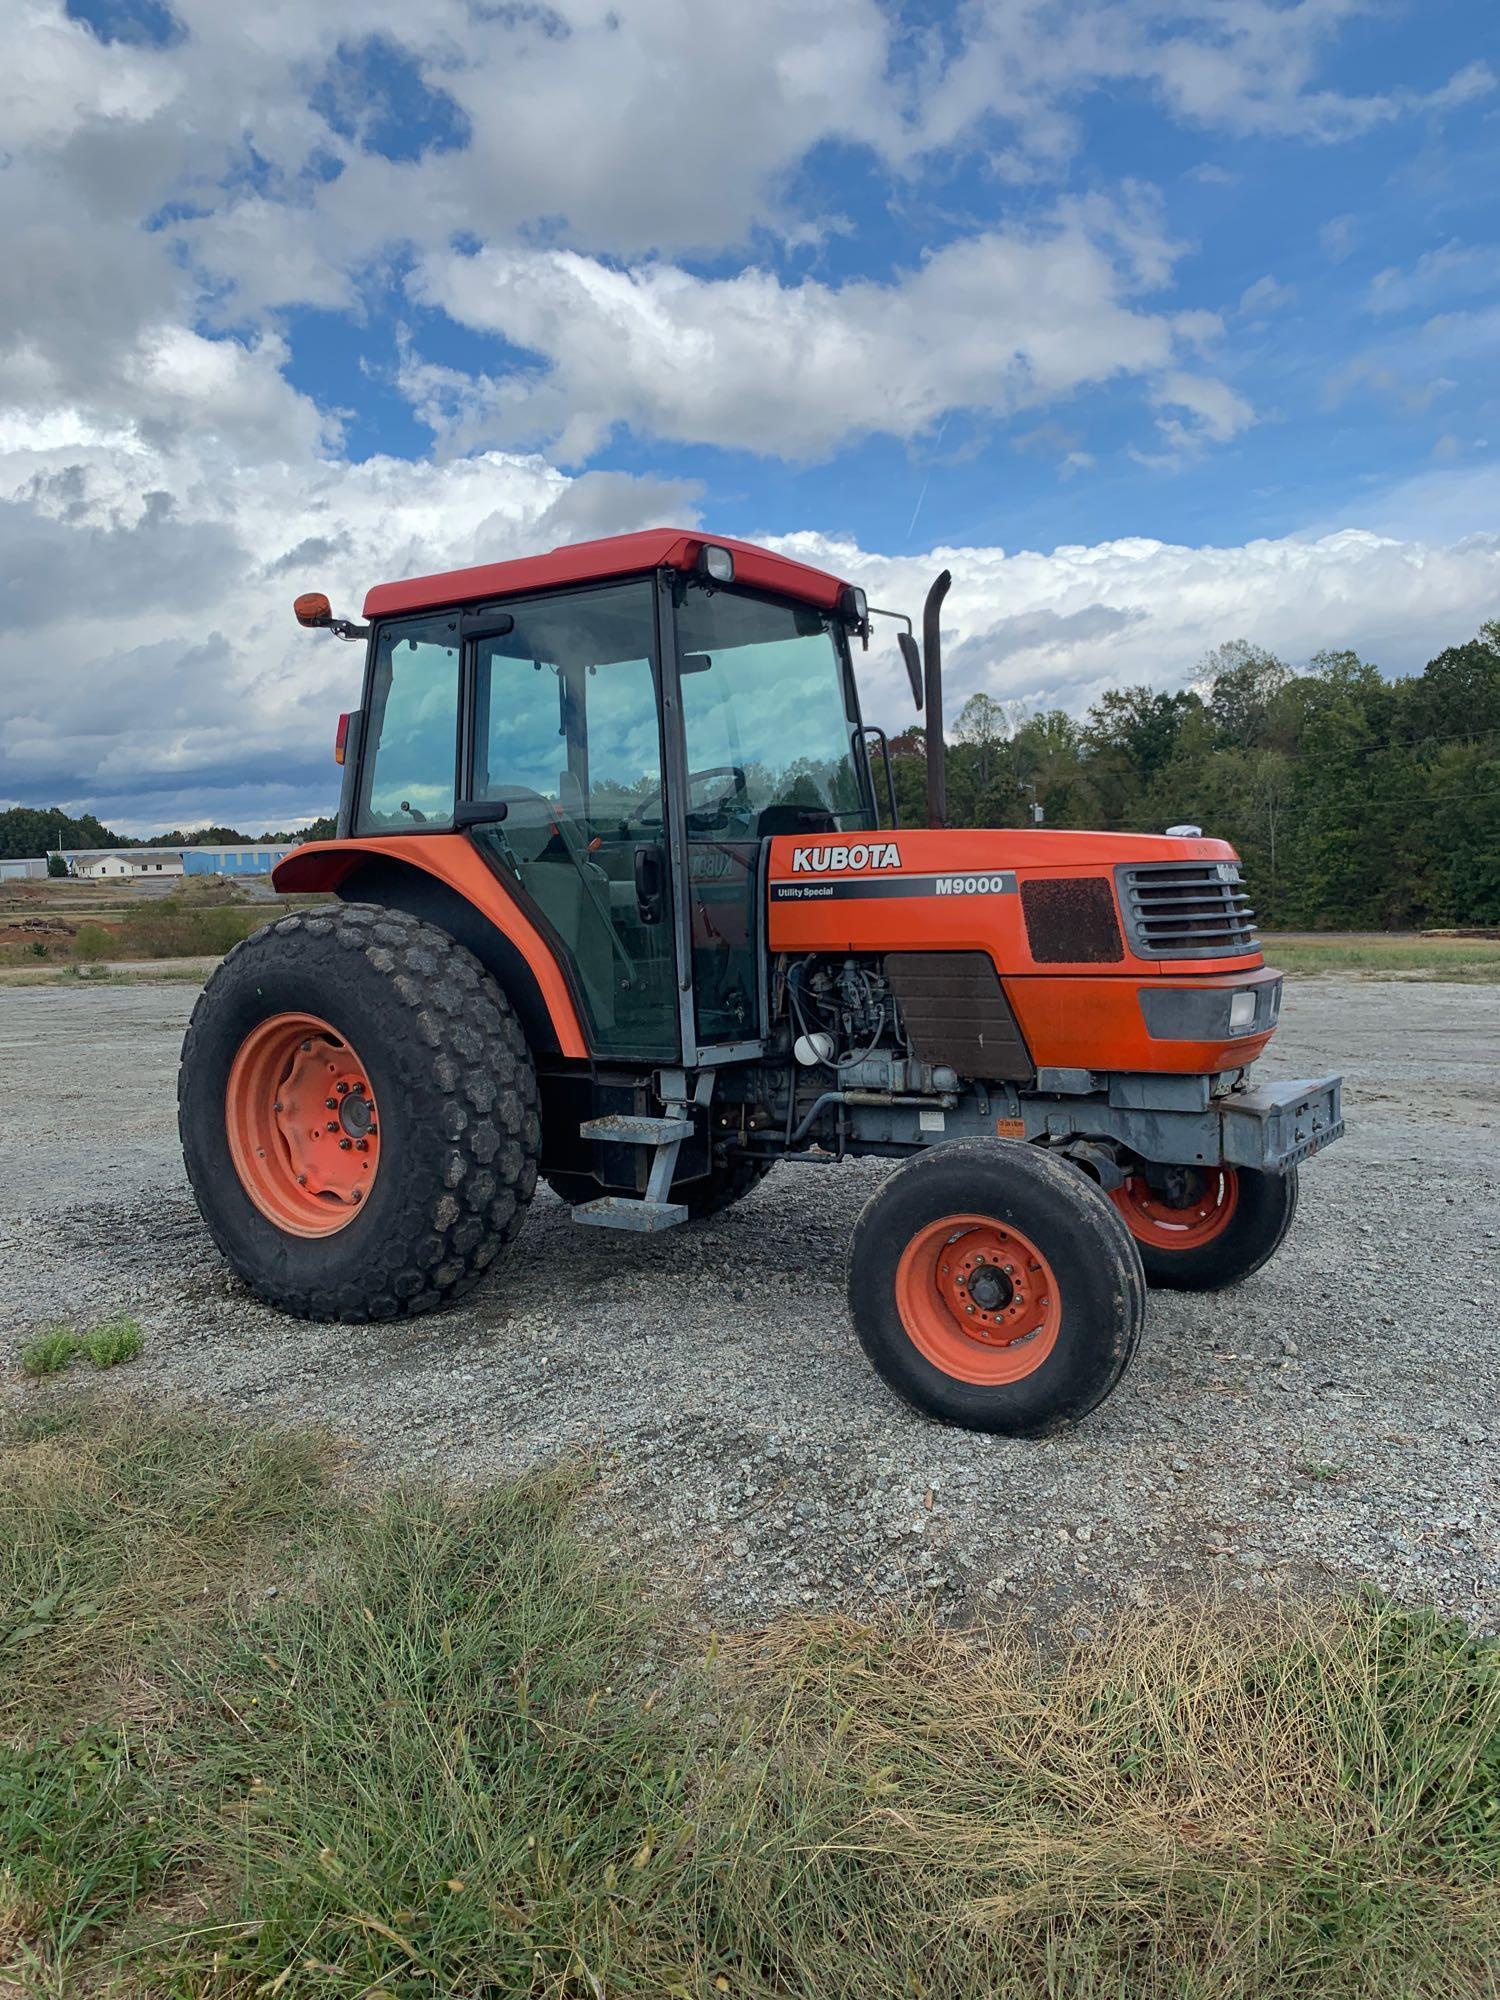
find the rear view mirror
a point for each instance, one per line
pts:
(913, 659)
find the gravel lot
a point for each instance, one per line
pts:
(1334, 1420)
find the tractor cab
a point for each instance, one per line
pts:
(619, 751)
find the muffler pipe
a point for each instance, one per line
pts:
(932, 678)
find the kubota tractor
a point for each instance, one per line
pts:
(613, 904)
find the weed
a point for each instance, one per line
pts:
(50, 1353)
(115, 1341)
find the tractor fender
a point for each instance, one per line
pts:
(442, 879)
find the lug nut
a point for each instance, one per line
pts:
(345, 1144)
(355, 1194)
(331, 1103)
(363, 1146)
(275, 1107)
(332, 1125)
(341, 1088)
(302, 1180)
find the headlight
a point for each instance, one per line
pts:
(1242, 1011)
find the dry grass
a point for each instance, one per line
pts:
(456, 1753)
(1471, 961)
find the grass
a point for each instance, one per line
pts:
(168, 929)
(50, 1353)
(117, 1340)
(1472, 961)
(262, 1737)
(106, 1346)
(73, 974)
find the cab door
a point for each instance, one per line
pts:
(565, 729)
(767, 726)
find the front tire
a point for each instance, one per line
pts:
(1207, 1228)
(996, 1288)
(358, 1113)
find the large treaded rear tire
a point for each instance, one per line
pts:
(1043, 1205)
(451, 1073)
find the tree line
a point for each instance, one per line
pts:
(36, 830)
(1355, 801)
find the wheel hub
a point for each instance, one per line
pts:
(990, 1289)
(1192, 1207)
(978, 1298)
(301, 1123)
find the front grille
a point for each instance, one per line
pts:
(1192, 909)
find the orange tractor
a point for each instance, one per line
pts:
(614, 903)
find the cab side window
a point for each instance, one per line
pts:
(411, 736)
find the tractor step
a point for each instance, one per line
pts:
(618, 1211)
(619, 1130)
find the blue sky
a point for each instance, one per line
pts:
(1179, 318)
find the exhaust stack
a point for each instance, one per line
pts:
(932, 659)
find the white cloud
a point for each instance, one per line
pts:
(1266, 295)
(1452, 271)
(177, 689)
(1243, 67)
(1006, 321)
(1059, 628)
(1336, 238)
(155, 582)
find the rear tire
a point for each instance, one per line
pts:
(996, 1288)
(450, 1085)
(1261, 1212)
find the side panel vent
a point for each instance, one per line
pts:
(956, 1012)
(1071, 921)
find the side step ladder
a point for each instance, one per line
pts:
(653, 1211)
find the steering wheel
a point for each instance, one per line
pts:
(651, 807)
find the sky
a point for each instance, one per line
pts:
(1160, 322)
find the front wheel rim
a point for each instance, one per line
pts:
(1182, 1225)
(978, 1299)
(302, 1124)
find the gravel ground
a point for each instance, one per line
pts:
(1335, 1420)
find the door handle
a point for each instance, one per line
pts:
(649, 883)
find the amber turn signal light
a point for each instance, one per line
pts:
(313, 608)
(341, 740)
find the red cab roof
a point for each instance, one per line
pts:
(593, 562)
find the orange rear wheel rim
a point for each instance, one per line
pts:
(1203, 1215)
(302, 1124)
(978, 1299)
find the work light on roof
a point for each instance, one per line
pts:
(855, 610)
(716, 562)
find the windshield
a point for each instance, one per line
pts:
(768, 731)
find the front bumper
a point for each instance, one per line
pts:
(1165, 1120)
(1276, 1125)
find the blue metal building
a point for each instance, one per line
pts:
(254, 858)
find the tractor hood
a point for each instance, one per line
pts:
(1105, 903)
(1115, 951)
